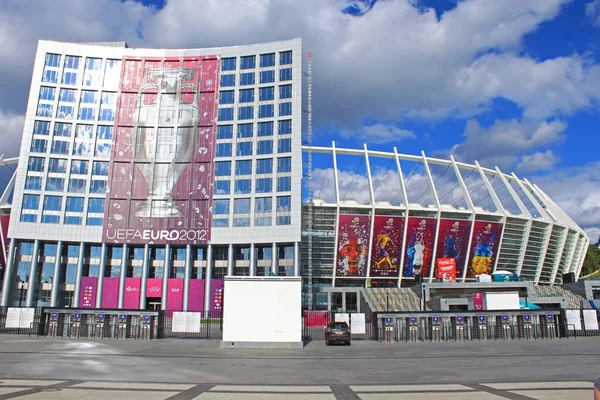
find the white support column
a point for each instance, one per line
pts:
(461, 182)
(372, 197)
(122, 276)
(78, 274)
(439, 215)
(490, 189)
(274, 259)
(144, 283)
(532, 199)
(207, 282)
(513, 194)
(32, 273)
(187, 275)
(561, 248)
(586, 244)
(230, 260)
(526, 234)
(101, 270)
(337, 209)
(9, 276)
(296, 258)
(543, 252)
(56, 275)
(468, 253)
(252, 260)
(166, 273)
(405, 201)
(500, 239)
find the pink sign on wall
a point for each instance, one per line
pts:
(161, 168)
(154, 288)
(217, 296)
(131, 297)
(175, 295)
(87, 292)
(196, 295)
(110, 292)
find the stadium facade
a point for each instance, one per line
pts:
(146, 176)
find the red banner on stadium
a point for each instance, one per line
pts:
(161, 168)
(419, 246)
(453, 239)
(386, 246)
(353, 245)
(484, 247)
(446, 270)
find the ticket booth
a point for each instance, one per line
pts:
(435, 328)
(459, 327)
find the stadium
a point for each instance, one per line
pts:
(146, 176)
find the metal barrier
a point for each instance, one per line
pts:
(469, 326)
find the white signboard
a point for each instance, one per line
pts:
(590, 320)
(192, 322)
(573, 320)
(358, 323)
(19, 317)
(186, 322)
(342, 317)
(178, 322)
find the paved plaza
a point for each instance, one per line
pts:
(39, 368)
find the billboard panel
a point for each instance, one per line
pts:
(386, 246)
(154, 288)
(217, 295)
(87, 292)
(175, 295)
(484, 248)
(453, 239)
(161, 168)
(196, 298)
(446, 270)
(131, 297)
(420, 236)
(110, 292)
(353, 245)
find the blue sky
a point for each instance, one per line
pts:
(510, 83)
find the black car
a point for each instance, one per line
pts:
(337, 332)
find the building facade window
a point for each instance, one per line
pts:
(247, 78)
(266, 111)
(228, 64)
(223, 150)
(267, 60)
(284, 145)
(243, 167)
(264, 166)
(285, 57)
(266, 93)
(245, 131)
(227, 80)
(246, 95)
(244, 149)
(247, 62)
(285, 74)
(264, 147)
(226, 97)
(226, 114)
(285, 91)
(224, 131)
(223, 168)
(246, 112)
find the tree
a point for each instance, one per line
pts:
(592, 260)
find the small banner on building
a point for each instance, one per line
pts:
(446, 270)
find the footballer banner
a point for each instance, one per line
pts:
(386, 246)
(453, 239)
(353, 245)
(420, 236)
(484, 248)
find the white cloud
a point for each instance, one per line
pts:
(11, 131)
(592, 11)
(502, 143)
(538, 161)
(577, 191)
(593, 234)
(379, 134)
(397, 59)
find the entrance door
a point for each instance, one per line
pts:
(152, 304)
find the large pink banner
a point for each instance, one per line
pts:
(353, 245)
(484, 247)
(453, 239)
(154, 287)
(87, 292)
(196, 299)
(420, 236)
(175, 295)
(161, 169)
(131, 297)
(110, 292)
(217, 295)
(386, 246)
